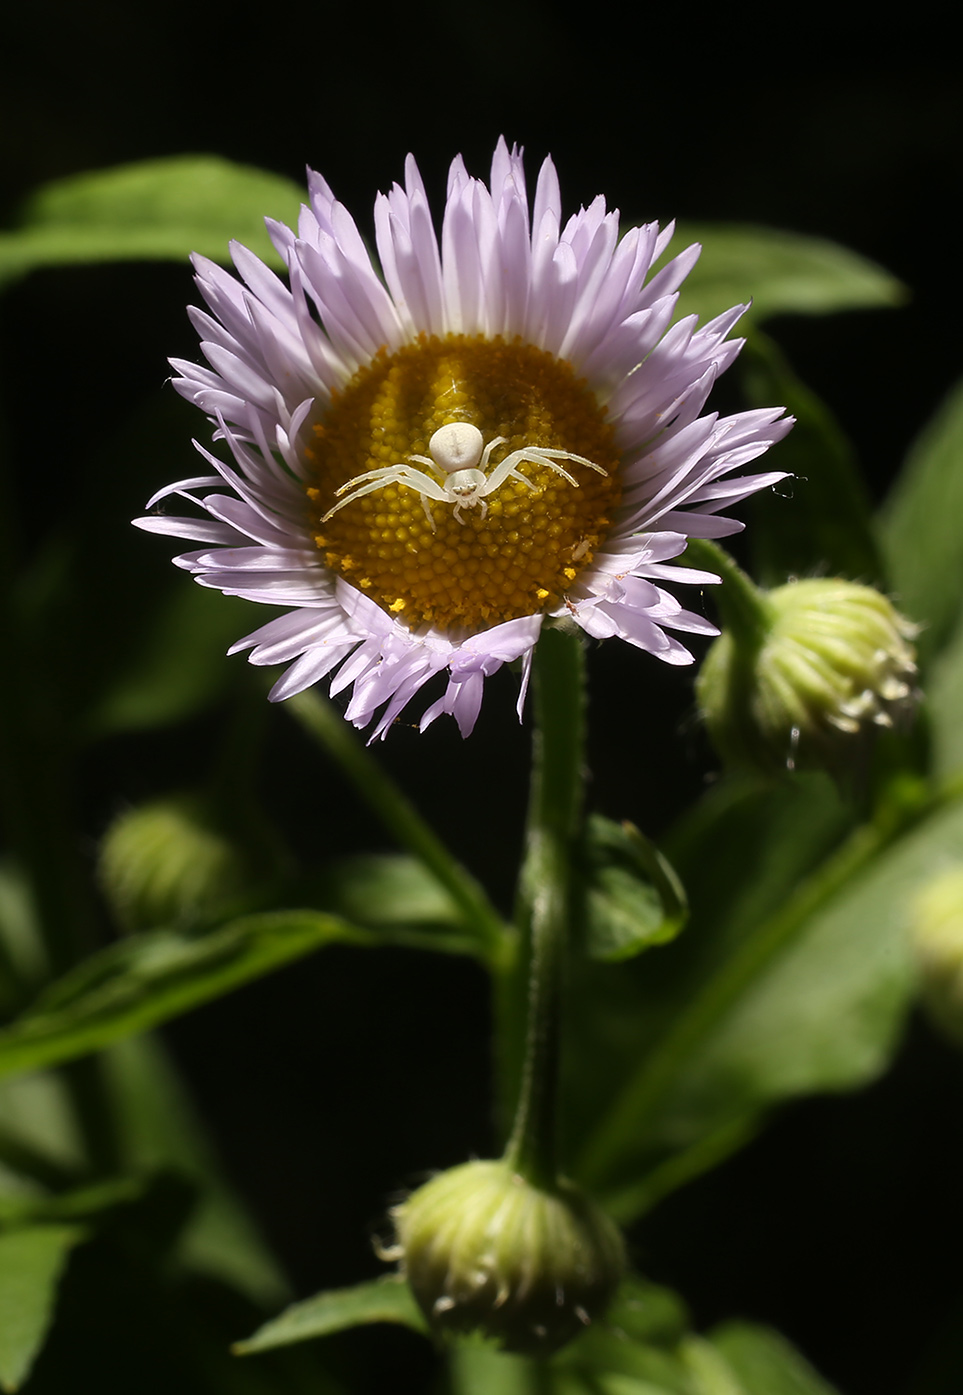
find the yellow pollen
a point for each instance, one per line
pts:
(517, 550)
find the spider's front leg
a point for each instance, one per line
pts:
(543, 455)
(538, 455)
(373, 480)
(506, 470)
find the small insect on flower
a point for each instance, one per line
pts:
(499, 431)
(459, 450)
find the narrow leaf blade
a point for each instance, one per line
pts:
(31, 1263)
(766, 1363)
(387, 1299)
(149, 979)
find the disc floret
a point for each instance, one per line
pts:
(492, 478)
(459, 450)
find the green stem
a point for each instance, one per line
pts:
(323, 722)
(543, 906)
(744, 608)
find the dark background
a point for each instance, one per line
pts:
(844, 1224)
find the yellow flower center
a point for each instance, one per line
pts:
(510, 552)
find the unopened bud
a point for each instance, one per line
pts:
(830, 663)
(485, 1251)
(937, 937)
(167, 860)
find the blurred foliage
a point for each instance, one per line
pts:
(118, 1229)
(775, 272)
(157, 210)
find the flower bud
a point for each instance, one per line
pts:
(937, 938)
(486, 1251)
(166, 860)
(828, 662)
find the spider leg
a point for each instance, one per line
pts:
(380, 479)
(464, 504)
(553, 465)
(542, 454)
(381, 474)
(421, 483)
(358, 493)
(487, 452)
(537, 455)
(506, 470)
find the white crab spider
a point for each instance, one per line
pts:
(459, 450)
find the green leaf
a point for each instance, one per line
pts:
(711, 1373)
(176, 665)
(811, 997)
(644, 1312)
(632, 897)
(31, 1263)
(394, 892)
(483, 1370)
(919, 528)
(147, 979)
(620, 1019)
(78, 1204)
(388, 1299)
(780, 272)
(790, 826)
(40, 1143)
(159, 1130)
(324, 724)
(23, 958)
(944, 708)
(765, 1362)
(819, 519)
(153, 210)
(637, 1349)
(644, 1346)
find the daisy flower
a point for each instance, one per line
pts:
(427, 464)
